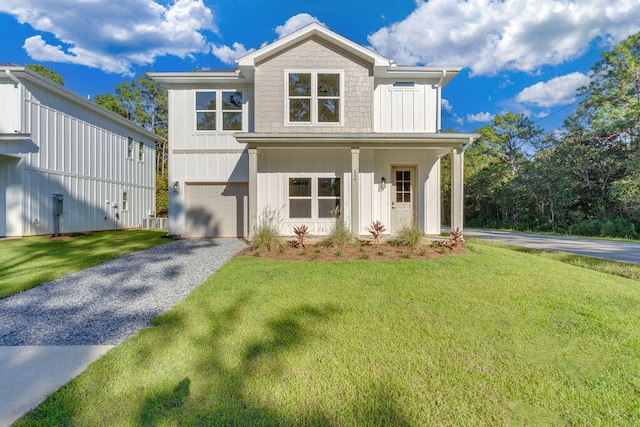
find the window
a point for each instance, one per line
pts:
(140, 151)
(130, 148)
(210, 113)
(125, 200)
(314, 197)
(314, 97)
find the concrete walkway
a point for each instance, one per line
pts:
(604, 249)
(51, 333)
(29, 373)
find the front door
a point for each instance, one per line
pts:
(403, 202)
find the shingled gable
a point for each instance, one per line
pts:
(247, 63)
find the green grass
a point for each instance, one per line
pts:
(622, 269)
(31, 261)
(491, 337)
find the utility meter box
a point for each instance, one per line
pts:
(57, 204)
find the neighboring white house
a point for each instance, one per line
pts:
(67, 164)
(308, 123)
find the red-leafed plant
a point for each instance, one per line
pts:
(302, 232)
(454, 239)
(376, 229)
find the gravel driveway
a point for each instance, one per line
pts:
(110, 302)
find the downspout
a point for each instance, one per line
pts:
(12, 77)
(439, 102)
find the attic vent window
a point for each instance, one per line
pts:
(403, 84)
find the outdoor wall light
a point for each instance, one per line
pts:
(383, 183)
(176, 186)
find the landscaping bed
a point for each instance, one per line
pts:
(319, 251)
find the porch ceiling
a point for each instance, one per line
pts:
(361, 140)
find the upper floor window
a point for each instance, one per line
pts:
(219, 110)
(140, 151)
(314, 97)
(130, 148)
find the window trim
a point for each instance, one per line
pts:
(125, 200)
(315, 197)
(130, 148)
(219, 111)
(314, 96)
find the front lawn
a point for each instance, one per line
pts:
(31, 261)
(490, 337)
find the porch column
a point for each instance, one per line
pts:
(355, 191)
(253, 191)
(457, 188)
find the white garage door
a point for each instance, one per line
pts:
(216, 210)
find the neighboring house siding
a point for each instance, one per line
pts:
(402, 108)
(83, 156)
(313, 54)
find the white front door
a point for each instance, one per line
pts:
(403, 197)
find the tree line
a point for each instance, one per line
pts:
(582, 179)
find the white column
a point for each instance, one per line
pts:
(355, 191)
(457, 188)
(253, 191)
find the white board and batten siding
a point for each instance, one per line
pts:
(213, 171)
(81, 154)
(405, 105)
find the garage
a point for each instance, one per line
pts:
(216, 210)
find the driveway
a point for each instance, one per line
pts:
(51, 333)
(605, 249)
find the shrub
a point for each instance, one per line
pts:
(267, 236)
(619, 227)
(454, 239)
(587, 227)
(409, 236)
(340, 238)
(301, 232)
(375, 230)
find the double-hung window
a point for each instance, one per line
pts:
(314, 97)
(140, 151)
(125, 200)
(314, 197)
(219, 110)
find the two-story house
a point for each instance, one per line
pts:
(67, 164)
(304, 125)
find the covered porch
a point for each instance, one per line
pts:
(391, 177)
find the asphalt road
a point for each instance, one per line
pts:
(606, 249)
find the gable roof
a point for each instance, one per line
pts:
(248, 62)
(23, 74)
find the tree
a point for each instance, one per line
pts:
(614, 92)
(143, 102)
(46, 72)
(507, 139)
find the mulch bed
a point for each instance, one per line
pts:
(365, 251)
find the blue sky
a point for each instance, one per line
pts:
(525, 56)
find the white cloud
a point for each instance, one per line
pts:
(227, 54)
(557, 91)
(294, 23)
(492, 36)
(112, 36)
(446, 105)
(479, 117)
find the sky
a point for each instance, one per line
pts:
(523, 56)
